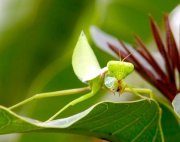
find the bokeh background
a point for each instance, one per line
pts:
(37, 38)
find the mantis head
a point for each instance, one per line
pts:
(119, 69)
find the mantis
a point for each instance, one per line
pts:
(112, 78)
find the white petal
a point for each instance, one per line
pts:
(102, 39)
(176, 104)
(175, 24)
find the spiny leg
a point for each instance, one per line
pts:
(51, 94)
(72, 103)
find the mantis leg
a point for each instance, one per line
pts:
(51, 94)
(95, 87)
(74, 102)
(139, 91)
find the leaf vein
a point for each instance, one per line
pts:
(117, 119)
(126, 126)
(144, 129)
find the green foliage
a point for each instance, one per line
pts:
(36, 49)
(170, 124)
(128, 121)
(122, 18)
(131, 123)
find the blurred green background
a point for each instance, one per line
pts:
(37, 38)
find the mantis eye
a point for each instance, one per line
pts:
(119, 69)
(111, 83)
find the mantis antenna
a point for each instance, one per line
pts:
(126, 57)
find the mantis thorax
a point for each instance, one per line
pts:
(119, 69)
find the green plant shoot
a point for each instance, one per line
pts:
(111, 76)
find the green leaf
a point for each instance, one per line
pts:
(176, 104)
(128, 121)
(170, 124)
(84, 61)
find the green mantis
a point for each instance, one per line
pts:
(117, 71)
(111, 77)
